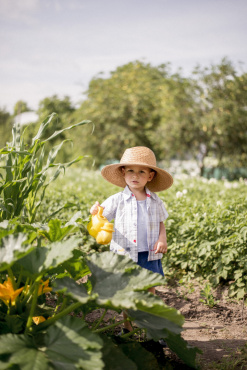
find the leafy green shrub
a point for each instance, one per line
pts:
(207, 232)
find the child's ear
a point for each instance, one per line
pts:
(123, 171)
(151, 176)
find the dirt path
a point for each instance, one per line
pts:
(220, 332)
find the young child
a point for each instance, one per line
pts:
(138, 213)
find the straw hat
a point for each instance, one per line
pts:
(140, 156)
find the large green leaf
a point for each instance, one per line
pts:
(12, 249)
(72, 289)
(68, 345)
(69, 342)
(127, 274)
(75, 267)
(158, 327)
(155, 324)
(121, 283)
(119, 354)
(143, 359)
(42, 259)
(23, 352)
(184, 351)
(56, 231)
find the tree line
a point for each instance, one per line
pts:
(200, 116)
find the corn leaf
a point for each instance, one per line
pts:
(56, 133)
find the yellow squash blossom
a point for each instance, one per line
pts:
(38, 319)
(7, 292)
(44, 287)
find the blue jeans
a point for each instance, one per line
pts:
(155, 266)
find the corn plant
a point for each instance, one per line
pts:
(26, 172)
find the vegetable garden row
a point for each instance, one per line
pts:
(46, 254)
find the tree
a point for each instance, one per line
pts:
(125, 109)
(223, 119)
(21, 107)
(177, 133)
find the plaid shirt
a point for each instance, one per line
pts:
(122, 207)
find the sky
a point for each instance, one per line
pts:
(52, 47)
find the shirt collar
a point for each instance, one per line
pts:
(129, 194)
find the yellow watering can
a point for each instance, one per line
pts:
(100, 228)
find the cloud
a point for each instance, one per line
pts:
(23, 10)
(57, 46)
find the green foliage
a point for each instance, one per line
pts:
(206, 231)
(208, 298)
(48, 277)
(24, 175)
(63, 108)
(222, 122)
(206, 227)
(21, 107)
(125, 106)
(201, 116)
(5, 127)
(116, 283)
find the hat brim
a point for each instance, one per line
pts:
(113, 174)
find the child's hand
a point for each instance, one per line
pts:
(94, 208)
(160, 247)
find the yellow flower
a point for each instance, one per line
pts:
(7, 292)
(38, 319)
(43, 287)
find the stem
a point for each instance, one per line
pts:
(61, 308)
(19, 278)
(109, 327)
(33, 306)
(127, 335)
(28, 295)
(12, 278)
(64, 304)
(53, 319)
(100, 320)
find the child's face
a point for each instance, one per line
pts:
(136, 177)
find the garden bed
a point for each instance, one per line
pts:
(220, 332)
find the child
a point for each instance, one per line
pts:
(138, 213)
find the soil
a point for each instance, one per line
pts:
(220, 332)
